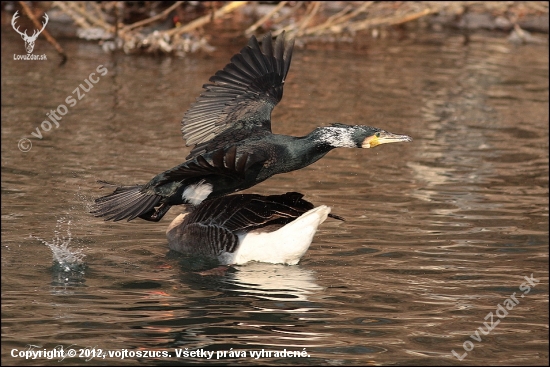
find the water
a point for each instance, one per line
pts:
(438, 232)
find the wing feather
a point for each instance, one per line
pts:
(246, 212)
(239, 97)
(219, 163)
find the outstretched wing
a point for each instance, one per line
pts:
(223, 162)
(239, 100)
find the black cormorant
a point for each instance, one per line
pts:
(234, 148)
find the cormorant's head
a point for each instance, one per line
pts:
(373, 136)
(359, 136)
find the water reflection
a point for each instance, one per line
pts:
(251, 308)
(273, 282)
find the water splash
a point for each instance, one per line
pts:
(65, 259)
(86, 201)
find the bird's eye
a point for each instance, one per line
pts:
(377, 135)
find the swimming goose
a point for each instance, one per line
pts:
(234, 148)
(240, 228)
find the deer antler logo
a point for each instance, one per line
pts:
(29, 41)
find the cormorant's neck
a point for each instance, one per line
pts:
(292, 153)
(332, 137)
(312, 147)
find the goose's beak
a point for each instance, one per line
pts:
(384, 137)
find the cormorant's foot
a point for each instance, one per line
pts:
(156, 214)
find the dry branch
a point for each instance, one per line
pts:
(308, 20)
(226, 9)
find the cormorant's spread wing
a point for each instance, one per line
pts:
(221, 162)
(239, 100)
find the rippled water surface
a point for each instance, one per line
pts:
(438, 233)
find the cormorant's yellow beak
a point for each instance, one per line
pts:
(384, 137)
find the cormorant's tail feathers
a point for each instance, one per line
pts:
(126, 202)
